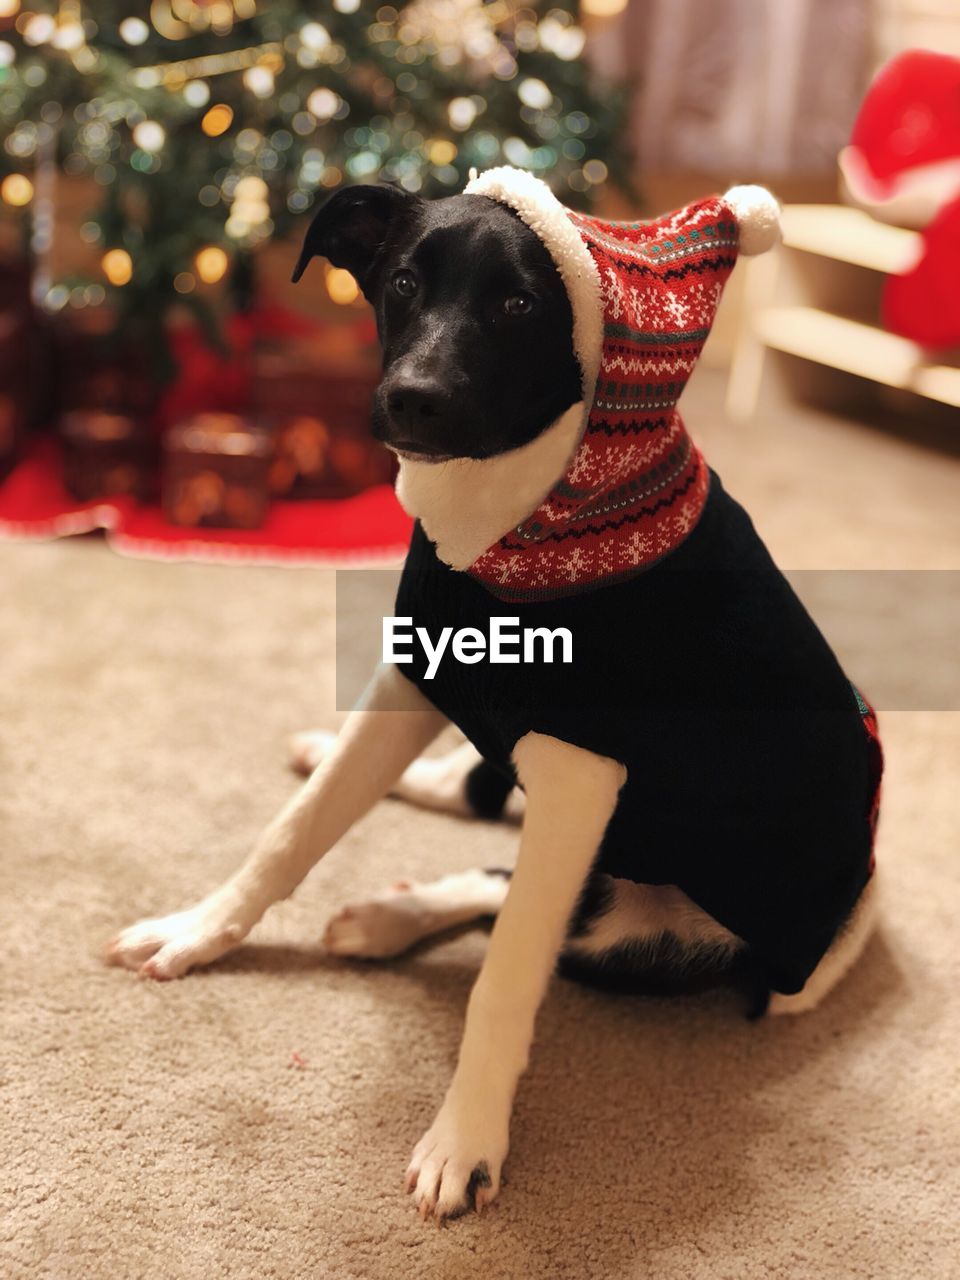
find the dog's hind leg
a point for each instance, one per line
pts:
(644, 938)
(407, 912)
(460, 782)
(846, 949)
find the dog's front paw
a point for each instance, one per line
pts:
(170, 945)
(456, 1165)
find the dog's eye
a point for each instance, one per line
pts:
(404, 283)
(518, 304)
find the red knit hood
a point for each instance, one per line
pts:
(643, 296)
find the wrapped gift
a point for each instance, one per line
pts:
(98, 366)
(301, 457)
(104, 454)
(216, 470)
(15, 284)
(13, 390)
(18, 349)
(316, 393)
(313, 461)
(11, 433)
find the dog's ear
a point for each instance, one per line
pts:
(352, 227)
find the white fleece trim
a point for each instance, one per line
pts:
(758, 214)
(543, 213)
(466, 505)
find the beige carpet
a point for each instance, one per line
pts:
(167, 1131)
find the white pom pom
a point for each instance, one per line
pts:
(758, 214)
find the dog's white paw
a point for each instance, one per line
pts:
(385, 926)
(170, 945)
(456, 1165)
(306, 750)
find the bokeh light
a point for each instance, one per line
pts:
(441, 151)
(16, 189)
(323, 103)
(341, 286)
(117, 266)
(149, 135)
(133, 30)
(196, 93)
(211, 264)
(217, 120)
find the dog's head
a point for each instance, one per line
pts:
(473, 317)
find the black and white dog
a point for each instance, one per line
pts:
(699, 790)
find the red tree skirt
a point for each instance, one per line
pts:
(370, 529)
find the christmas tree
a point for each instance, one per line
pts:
(210, 126)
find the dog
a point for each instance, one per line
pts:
(699, 792)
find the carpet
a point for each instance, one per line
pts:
(255, 1120)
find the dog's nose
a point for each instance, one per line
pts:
(413, 404)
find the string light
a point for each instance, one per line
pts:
(38, 28)
(211, 264)
(16, 189)
(314, 36)
(259, 80)
(559, 35)
(341, 286)
(251, 188)
(117, 266)
(178, 19)
(323, 103)
(419, 49)
(217, 120)
(212, 64)
(68, 36)
(149, 135)
(534, 93)
(133, 30)
(250, 215)
(196, 93)
(461, 113)
(441, 151)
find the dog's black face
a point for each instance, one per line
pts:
(474, 320)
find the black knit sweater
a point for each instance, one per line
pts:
(750, 777)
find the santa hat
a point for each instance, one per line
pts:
(643, 296)
(903, 161)
(903, 166)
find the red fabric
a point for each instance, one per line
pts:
(910, 119)
(875, 766)
(370, 528)
(215, 380)
(910, 116)
(636, 485)
(923, 304)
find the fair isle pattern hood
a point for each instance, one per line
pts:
(644, 296)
